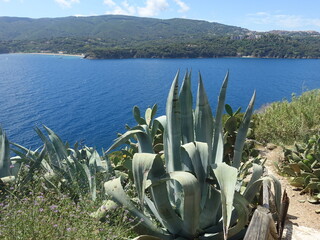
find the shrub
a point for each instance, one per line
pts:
(286, 122)
(302, 164)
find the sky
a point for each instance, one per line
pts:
(257, 15)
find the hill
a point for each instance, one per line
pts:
(116, 36)
(110, 27)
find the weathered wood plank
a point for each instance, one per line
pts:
(283, 213)
(262, 226)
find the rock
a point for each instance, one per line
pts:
(271, 146)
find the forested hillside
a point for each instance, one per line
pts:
(114, 36)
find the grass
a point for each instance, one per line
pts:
(39, 215)
(288, 122)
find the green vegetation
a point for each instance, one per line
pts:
(302, 164)
(112, 36)
(288, 122)
(112, 27)
(295, 125)
(38, 215)
(171, 177)
(187, 192)
(45, 195)
(267, 45)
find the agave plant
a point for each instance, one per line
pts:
(5, 162)
(189, 192)
(63, 169)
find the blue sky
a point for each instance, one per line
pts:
(259, 15)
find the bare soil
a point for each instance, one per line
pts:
(303, 223)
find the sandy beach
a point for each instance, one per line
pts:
(53, 54)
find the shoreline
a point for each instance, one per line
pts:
(107, 58)
(52, 54)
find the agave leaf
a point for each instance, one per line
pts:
(36, 165)
(100, 167)
(93, 167)
(252, 190)
(191, 201)
(24, 149)
(227, 178)
(172, 132)
(242, 133)
(185, 98)
(217, 146)
(204, 156)
(141, 165)
(124, 138)
(114, 189)
(145, 143)
(85, 181)
(203, 118)
(4, 155)
(160, 196)
(277, 192)
(158, 123)
(242, 211)
(154, 210)
(210, 209)
(256, 174)
(197, 154)
(52, 154)
(187, 164)
(60, 148)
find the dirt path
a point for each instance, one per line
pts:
(303, 223)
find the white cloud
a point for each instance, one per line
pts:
(66, 3)
(183, 6)
(283, 21)
(109, 3)
(83, 15)
(153, 8)
(124, 9)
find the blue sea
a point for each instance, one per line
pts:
(90, 101)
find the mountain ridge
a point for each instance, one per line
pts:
(120, 36)
(115, 26)
(108, 26)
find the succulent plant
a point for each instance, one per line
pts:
(147, 134)
(73, 171)
(302, 164)
(189, 192)
(5, 162)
